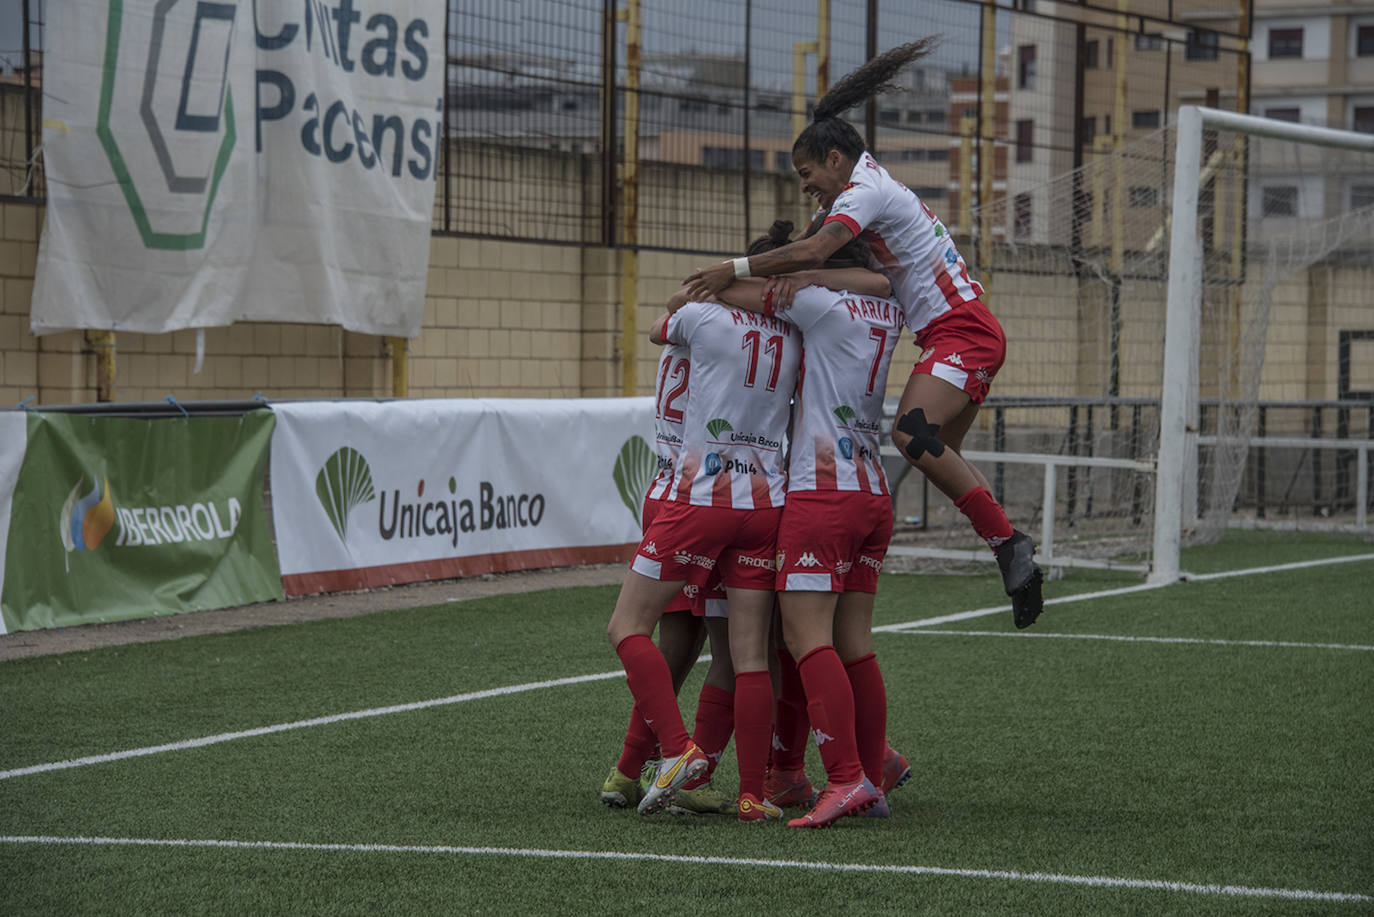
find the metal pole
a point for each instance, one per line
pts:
(608, 21)
(822, 47)
(987, 156)
(629, 339)
(400, 367)
(1185, 277)
(748, 70)
(870, 52)
(105, 363)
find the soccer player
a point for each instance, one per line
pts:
(721, 513)
(834, 533)
(682, 628)
(963, 345)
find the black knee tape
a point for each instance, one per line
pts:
(923, 435)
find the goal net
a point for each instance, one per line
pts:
(1215, 396)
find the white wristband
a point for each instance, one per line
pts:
(742, 268)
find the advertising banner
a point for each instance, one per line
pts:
(116, 518)
(222, 161)
(13, 435)
(368, 494)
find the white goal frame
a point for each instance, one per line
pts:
(1178, 433)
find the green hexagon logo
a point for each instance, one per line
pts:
(191, 146)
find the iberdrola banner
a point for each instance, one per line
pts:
(114, 518)
(230, 160)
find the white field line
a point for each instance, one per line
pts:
(303, 724)
(580, 679)
(1230, 891)
(1125, 590)
(1284, 644)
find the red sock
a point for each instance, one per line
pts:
(870, 714)
(753, 727)
(790, 726)
(715, 722)
(652, 685)
(830, 705)
(986, 514)
(639, 746)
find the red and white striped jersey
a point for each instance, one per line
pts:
(837, 415)
(744, 370)
(910, 244)
(670, 400)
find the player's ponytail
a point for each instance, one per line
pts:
(778, 235)
(828, 131)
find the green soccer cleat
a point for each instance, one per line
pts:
(619, 791)
(701, 800)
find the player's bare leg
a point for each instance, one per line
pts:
(927, 406)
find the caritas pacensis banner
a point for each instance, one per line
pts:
(227, 160)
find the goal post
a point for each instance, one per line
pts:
(1179, 425)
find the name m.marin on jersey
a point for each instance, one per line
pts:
(380, 48)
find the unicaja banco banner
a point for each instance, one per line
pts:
(115, 518)
(368, 494)
(228, 160)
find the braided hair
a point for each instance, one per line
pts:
(827, 130)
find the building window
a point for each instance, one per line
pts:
(1110, 49)
(1364, 119)
(1202, 45)
(1089, 129)
(1025, 69)
(1280, 201)
(940, 155)
(782, 161)
(1284, 114)
(1021, 216)
(1148, 42)
(1143, 196)
(935, 116)
(1364, 41)
(889, 116)
(1025, 132)
(1145, 119)
(1090, 55)
(1361, 196)
(1285, 43)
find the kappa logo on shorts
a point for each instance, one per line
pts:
(821, 737)
(954, 360)
(651, 549)
(873, 562)
(808, 560)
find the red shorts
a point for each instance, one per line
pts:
(965, 347)
(688, 599)
(689, 543)
(833, 541)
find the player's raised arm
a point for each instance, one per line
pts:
(810, 252)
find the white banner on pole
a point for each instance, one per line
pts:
(374, 493)
(231, 160)
(14, 439)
